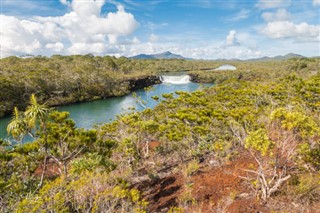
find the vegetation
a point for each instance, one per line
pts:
(69, 79)
(272, 122)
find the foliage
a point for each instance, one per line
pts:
(69, 79)
(57, 140)
(271, 109)
(192, 168)
(87, 192)
(259, 140)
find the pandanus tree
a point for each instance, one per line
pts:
(32, 121)
(54, 131)
(37, 115)
(17, 126)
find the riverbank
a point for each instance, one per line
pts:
(115, 88)
(92, 113)
(61, 80)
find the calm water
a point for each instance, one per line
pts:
(86, 115)
(226, 67)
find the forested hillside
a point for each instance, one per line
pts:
(61, 80)
(249, 143)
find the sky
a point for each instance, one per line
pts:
(200, 29)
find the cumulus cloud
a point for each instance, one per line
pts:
(56, 47)
(82, 30)
(87, 8)
(83, 48)
(279, 15)
(300, 32)
(267, 4)
(208, 50)
(231, 38)
(279, 26)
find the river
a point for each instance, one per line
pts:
(87, 115)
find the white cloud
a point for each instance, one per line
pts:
(83, 48)
(135, 40)
(267, 4)
(208, 50)
(153, 38)
(82, 30)
(16, 38)
(56, 47)
(88, 7)
(231, 38)
(316, 2)
(245, 53)
(280, 15)
(300, 32)
(65, 2)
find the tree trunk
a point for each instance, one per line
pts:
(44, 168)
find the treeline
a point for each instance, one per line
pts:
(261, 71)
(275, 121)
(67, 79)
(62, 80)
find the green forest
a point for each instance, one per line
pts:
(59, 80)
(251, 142)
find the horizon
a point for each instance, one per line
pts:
(143, 54)
(209, 30)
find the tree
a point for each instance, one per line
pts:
(57, 134)
(278, 148)
(33, 122)
(17, 127)
(36, 117)
(269, 174)
(65, 141)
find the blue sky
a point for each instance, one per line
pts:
(203, 29)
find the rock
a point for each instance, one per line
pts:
(214, 163)
(243, 195)
(143, 82)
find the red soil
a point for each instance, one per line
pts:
(153, 145)
(212, 188)
(52, 170)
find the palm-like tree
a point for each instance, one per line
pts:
(36, 114)
(17, 127)
(35, 118)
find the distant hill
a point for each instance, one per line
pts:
(165, 55)
(278, 58)
(169, 55)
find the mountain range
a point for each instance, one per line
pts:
(278, 58)
(164, 55)
(169, 55)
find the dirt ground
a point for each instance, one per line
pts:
(212, 189)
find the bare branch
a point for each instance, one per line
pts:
(277, 185)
